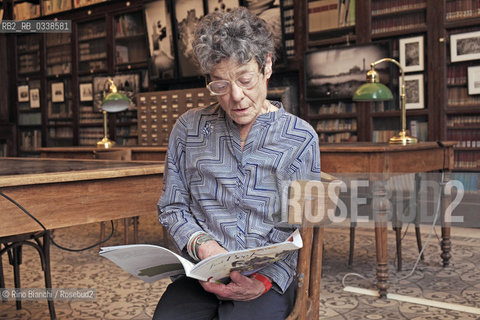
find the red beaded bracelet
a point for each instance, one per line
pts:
(260, 277)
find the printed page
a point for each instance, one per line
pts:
(147, 262)
(248, 261)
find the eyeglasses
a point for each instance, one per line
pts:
(246, 81)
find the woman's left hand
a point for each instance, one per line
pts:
(240, 288)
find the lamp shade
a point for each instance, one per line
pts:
(115, 102)
(373, 92)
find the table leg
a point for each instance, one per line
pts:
(46, 270)
(380, 206)
(445, 244)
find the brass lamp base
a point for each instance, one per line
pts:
(402, 138)
(105, 143)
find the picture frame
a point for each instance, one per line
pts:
(162, 62)
(271, 12)
(412, 54)
(86, 92)
(473, 80)
(465, 46)
(335, 74)
(187, 14)
(128, 84)
(414, 91)
(34, 98)
(58, 92)
(23, 93)
(222, 5)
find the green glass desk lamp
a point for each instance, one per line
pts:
(373, 90)
(114, 101)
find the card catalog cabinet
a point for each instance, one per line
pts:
(158, 111)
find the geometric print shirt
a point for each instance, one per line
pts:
(212, 185)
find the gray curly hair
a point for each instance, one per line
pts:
(238, 34)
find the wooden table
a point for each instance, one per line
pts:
(63, 193)
(138, 153)
(373, 159)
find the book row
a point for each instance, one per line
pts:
(89, 136)
(26, 10)
(60, 132)
(127, 131)
(457, 74)
(389, 6)
(463, 121)
(466, 160)
(398, 23)
(29, 118)
(333, 108)
(29, 63)
(337, 137)
(419, 129)
(58, 39)
(61, 68)
(466, 138)
(330, 14)
(459, 9)
(336, 125)
(460, 97)
(128, 25)
(59, 110)
(30, 140)
(382, 135)
(381, 106)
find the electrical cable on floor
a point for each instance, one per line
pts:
(409, 299)
(49, 234)
(432, 229)
(437, 213)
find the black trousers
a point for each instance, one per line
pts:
(185, 299)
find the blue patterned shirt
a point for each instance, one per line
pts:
(211, 185)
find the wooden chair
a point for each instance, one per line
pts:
(12, 245)
(123, 155)
(306, 198)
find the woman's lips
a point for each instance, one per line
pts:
(240, 110)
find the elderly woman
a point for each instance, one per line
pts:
(226, 166)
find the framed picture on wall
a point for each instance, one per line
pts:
(34, 98)
(160, 40)
(58, 92)
(222, 5)
(23, 93)
(86, 92)
(187, 14)
(337, 73)
(414, 96)
(474, 80)
(270, 11)
(465, 46)
(411, 54)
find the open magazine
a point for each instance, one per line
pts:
(150, 262)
